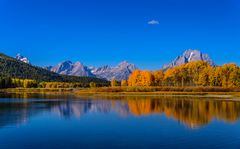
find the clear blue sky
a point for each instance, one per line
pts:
(98, 32)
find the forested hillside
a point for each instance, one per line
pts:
(10, 67)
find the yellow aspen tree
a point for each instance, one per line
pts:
(227, 69)
(114, 83)
(134, 78)
(124, 83)
(147, 78)
(158, 77)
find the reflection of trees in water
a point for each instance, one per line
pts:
(192, 112)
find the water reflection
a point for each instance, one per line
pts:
(190, 112)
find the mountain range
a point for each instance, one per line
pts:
(119, 72)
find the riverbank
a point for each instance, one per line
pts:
(39, 90)
(138, 91)
(160, 91)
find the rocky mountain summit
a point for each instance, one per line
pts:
(189, 56)
(73, 69)
(120, 72)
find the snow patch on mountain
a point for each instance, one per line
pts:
(189, 56)
(22, 58)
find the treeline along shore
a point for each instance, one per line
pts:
(197, 76)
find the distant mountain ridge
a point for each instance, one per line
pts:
(123, 69)
(120, 72)
(189, 56)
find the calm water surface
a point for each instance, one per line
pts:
(31, 121)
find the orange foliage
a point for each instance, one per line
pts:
(141, 78)
(196, 73)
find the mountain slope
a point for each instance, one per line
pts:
(73, 69)
(189, 56)
(11, 67)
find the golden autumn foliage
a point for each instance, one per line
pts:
(28, 83)
(134, 78)
(228, 71)
(25, 83)
(196, 73)
(114, 83)
(124, 83)
(92, 85)
(141, 78)
(158, 77)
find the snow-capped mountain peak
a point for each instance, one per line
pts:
(189, 56)
(22, 58)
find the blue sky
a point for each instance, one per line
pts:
(98, 32)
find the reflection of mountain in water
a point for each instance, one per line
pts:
(17, 112)
(77, 108)
(191, 112)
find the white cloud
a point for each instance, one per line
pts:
(153, 22)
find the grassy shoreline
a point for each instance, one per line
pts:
(161, 91)
(38, 90)
(126, 91)
(199, 94)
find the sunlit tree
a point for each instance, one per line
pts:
(114, 83)
(124, 83)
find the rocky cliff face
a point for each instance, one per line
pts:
(189, 56)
